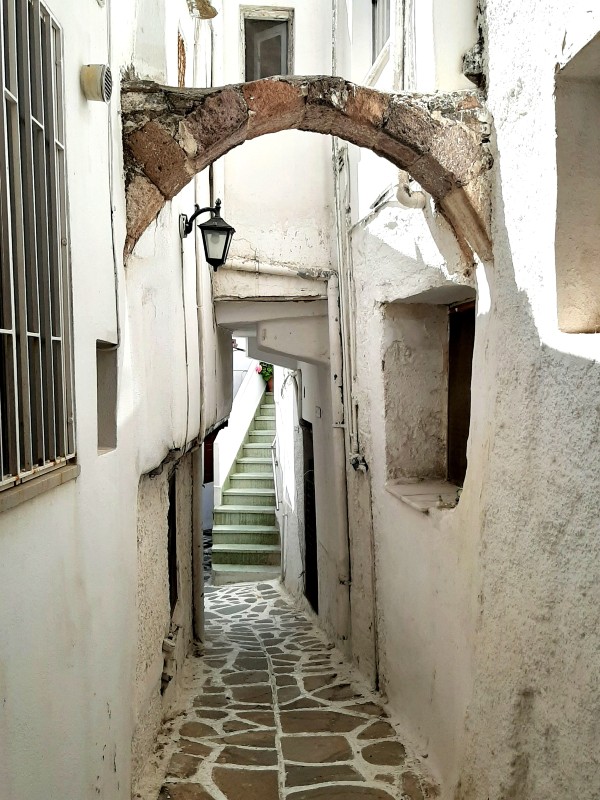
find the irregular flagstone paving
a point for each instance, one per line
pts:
(273, 712)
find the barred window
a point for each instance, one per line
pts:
(36, 377)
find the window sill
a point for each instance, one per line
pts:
(424, 495)
(10, 498)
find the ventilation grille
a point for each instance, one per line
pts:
(107, 84)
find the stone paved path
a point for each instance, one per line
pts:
(273, 711)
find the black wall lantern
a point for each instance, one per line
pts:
(216, 234)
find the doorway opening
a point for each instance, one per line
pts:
(311, 574)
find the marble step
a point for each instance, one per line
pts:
(244, 515)
(264, 423)
(246, 464)
(231, 553)
(256, 450)
(251, 480)
(261, 437)
(245, 534)
(223, 574)
(251, 497)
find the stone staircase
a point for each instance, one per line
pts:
(245, 533)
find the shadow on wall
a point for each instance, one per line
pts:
(538, 639)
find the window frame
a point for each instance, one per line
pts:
(381, 17)
(275, 13)
(39, 429)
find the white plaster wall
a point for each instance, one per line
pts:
(230, 439)
(536, 701)
(443, 32)
(290, 479)
(422, 600)
(278, 188)
(488, 614)
(241, 364)
(68, 558)
(316, 409)
(306, 338)
(454, 32)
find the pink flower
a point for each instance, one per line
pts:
(259, 368)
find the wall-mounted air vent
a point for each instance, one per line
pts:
(97, 82)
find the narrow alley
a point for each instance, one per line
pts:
(271, 710)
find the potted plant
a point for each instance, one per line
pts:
(266, 373)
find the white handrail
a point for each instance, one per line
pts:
(274, 463)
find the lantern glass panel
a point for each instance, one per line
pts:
(215, 244)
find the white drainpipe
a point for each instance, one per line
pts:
(239, 265)
(405, 196)
(340, 498)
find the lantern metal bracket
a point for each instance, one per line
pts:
(186, 224)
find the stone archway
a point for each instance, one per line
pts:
(172, 134)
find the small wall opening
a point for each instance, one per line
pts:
(427, 370)
(106, 395)
(311, 569)
(577, 240)
(415, 381)
(172, 541)
(267, 35)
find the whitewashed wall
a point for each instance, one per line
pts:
(536, 698)
(68, 558)
(424, 627)
(278, 187)
(231, 438)
(488, 613)
(290, 481)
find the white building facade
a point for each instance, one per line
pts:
(453, 556)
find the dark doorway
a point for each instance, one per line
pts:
(461, 338)
(311, 574)
(172, 540)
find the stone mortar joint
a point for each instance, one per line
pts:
(170, 134)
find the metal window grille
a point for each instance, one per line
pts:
(380, 25)
(36, 377)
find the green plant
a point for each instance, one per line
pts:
(265, 370)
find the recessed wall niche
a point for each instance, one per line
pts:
(106, 395)
(577, 242)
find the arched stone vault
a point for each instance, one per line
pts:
(172, 134)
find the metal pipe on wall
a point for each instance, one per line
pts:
(197, 545)
(340, 498)
(239, 265)
(198, 455)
